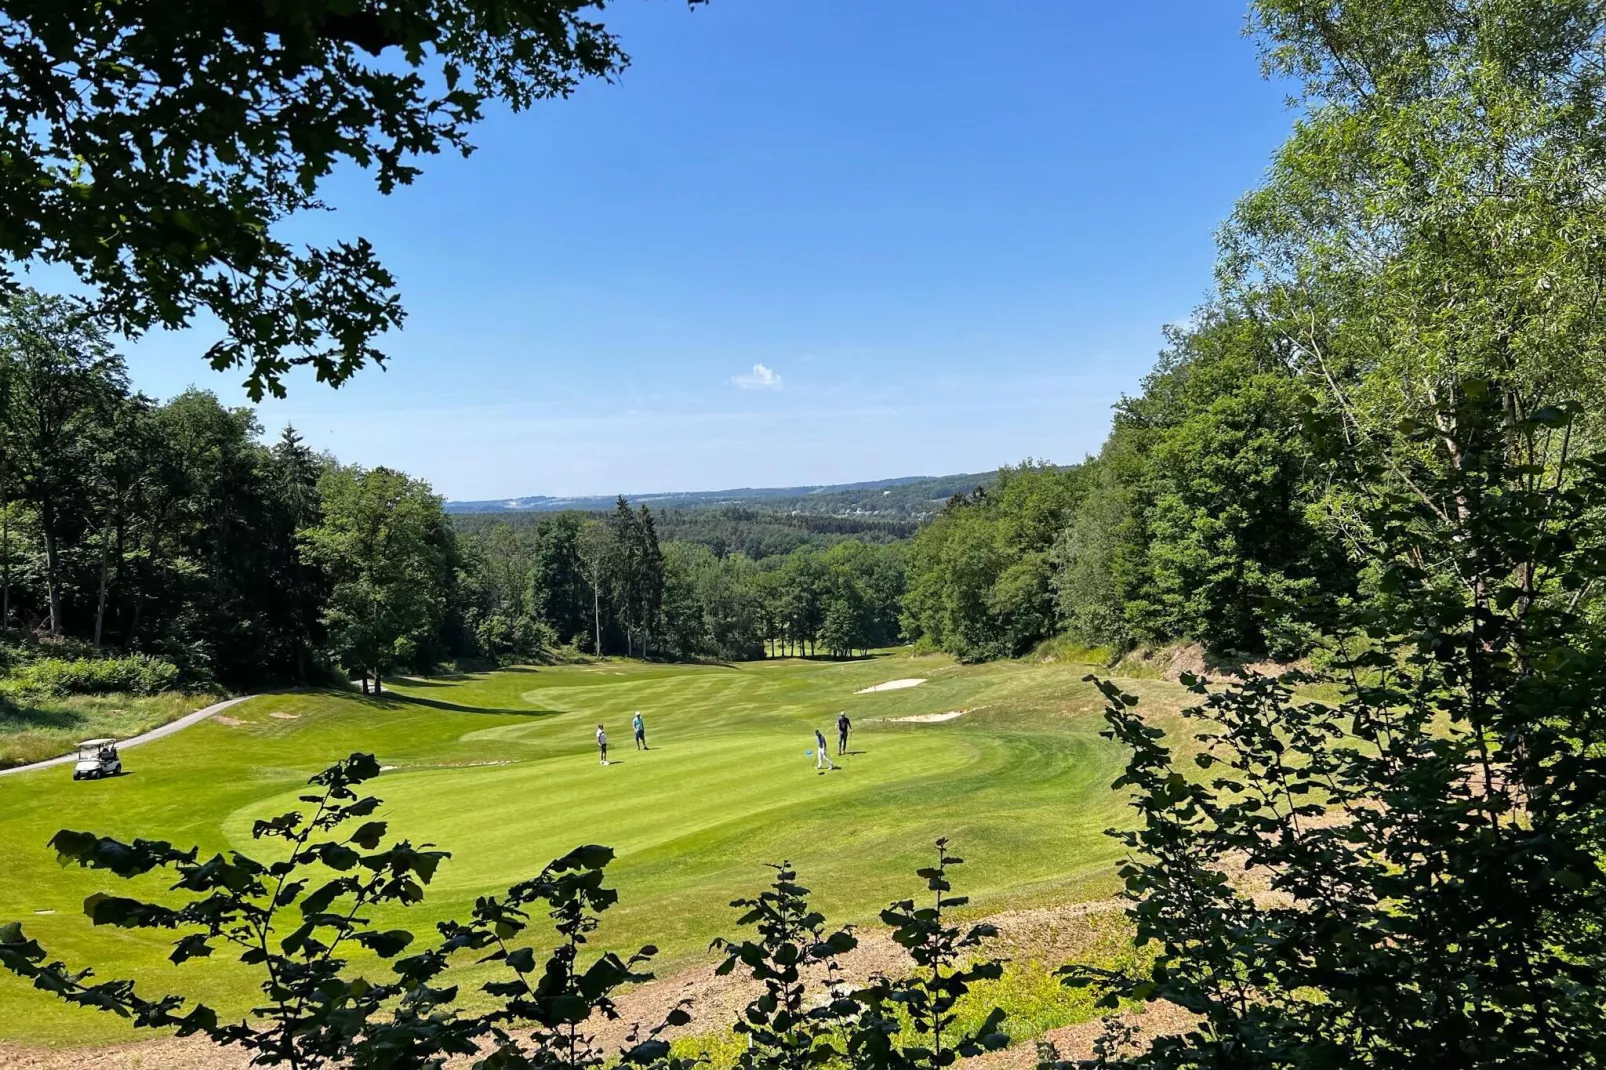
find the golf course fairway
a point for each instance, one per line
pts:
(501, 770)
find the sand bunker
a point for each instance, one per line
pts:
(894, 685)
(286, 716)
(930, 718)
(230, 721)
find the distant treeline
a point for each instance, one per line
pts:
(612, 585)
(908, 499)
(725, 530)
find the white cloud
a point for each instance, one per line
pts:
(763, 377)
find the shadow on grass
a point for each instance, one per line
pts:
(832, 659)
(36, 718)
(435, 681)
(451, 679)
(394, 700)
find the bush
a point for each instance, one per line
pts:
(136, 674)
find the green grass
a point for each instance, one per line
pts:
(35, 729)
(501, 770)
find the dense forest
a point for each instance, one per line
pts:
(612, 583)
(1205, 517)
(174, 533)
(173, 530)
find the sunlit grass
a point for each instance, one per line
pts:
(34, 730)
(501, 770)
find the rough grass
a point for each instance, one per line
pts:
(36, 729)
(500, 769)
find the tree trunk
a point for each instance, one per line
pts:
(378, 688)
(121, 609)
(52, 572)
(365, 681)
(5, 554)
(151, 562)
(100, 604)
(596, 610)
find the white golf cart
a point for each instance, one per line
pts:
(97, 758)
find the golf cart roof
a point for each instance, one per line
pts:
(97, 742)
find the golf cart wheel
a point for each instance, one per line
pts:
(76, 775)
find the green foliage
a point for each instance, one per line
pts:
(1200, 520)
(784, 1027)
(979, 575)
(926, 998)
(61, 381)
(161, 529)
(759, 533)
(1435, 838)
(681, 599)
(902, 1022)
(384, 541)
(164, 188)
(136, 674)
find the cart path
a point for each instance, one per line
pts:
(156, 733)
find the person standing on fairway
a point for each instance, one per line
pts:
(842, 726)
(641, 731)
(822, 757)
(602, 745)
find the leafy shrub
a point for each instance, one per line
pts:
(136, 674)
(1434, 839)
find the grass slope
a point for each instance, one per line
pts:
(501, 770)
(43, 728)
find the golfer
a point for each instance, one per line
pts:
(640, 727)
(822, 759)
(602, 745)
(842, 726)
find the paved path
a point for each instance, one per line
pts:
(156, 733)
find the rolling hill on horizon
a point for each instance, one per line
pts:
(904, 496)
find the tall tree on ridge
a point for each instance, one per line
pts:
(379, 540)
(119, 467)
(595, 549)
(649, 598)
(296, 471)
(625, 567)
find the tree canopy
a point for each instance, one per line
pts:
(155, 149)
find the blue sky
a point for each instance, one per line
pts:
(802, 241)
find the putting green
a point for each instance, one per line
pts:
(501, 770)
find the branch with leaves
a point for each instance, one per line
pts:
(945, 968)
(785, 1032)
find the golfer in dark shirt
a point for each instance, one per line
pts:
(842, 726)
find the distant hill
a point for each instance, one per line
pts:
(906, 498)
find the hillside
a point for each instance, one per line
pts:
(907, 497)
